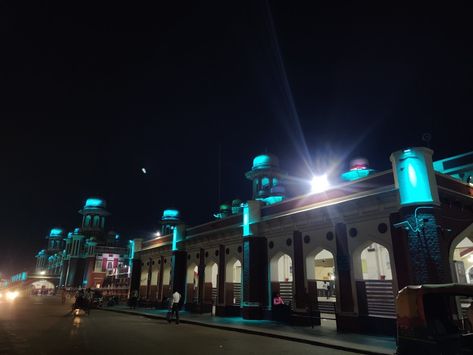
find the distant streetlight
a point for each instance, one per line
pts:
(320, 183)
(42, 272)
(157, 234)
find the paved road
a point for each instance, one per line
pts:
(41, 325)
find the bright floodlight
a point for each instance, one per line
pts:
(157, 234)
(143, 170)
(11, 295)
(42, 272)
(320, 183)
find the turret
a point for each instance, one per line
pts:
(267, 178)
(170, 219)
(93, 216)
(55, 240)
(359, 168)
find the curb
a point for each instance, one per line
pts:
(253, 332)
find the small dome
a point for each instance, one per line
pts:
(56, 232)
(225, 207)
(236, 202)
(265, 161)
(94, 202)
(77, 231)
(171, 214)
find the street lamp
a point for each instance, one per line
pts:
(320, 183)
(42, 272)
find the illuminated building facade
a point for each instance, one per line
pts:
(342, 253)
(89, 256)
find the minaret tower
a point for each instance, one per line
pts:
(55, 241)
(170, 219)
(267, 179)
(93, 218)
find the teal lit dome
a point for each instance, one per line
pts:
(56, 232)
(171, 214)
(236, 202)
(265, 161)
(94, 202)
(225, 207)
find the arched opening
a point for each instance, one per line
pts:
(373, 278)
(143, 291)
(192, 294)
(210, 283)
(281, 277)
(166, 281)
(42, 288)
(375, 263)
(324, 271)
(321, 284)
(462, 260)
(153, 293)
(96, 221)
(233, 282)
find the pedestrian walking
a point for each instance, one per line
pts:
(174, 306)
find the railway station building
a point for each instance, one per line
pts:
(341, 252)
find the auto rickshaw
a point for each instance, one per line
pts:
(435, 319)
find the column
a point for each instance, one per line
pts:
(420, 242)
(346, 319)
(160, 278)
(179, 261)
(300, 295)
(135, 263)
(255, 264)
(222, 270)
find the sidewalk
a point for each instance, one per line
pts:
(320, 335)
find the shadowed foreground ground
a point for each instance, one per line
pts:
(41, 325)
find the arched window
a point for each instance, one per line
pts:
(96, 221)
(87, 221)
(264, 182)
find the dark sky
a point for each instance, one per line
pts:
(90, 94)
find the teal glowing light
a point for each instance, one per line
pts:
(271, 199)
(55, 232)
(413, 177)
(246, 221)
(174, 239)
(19, 277)
(356, 174)
(264, 182)
(132, 249)
(170, 214)
(94, 202)
(265, 161)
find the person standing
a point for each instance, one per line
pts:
(134, 299)
(175, 299)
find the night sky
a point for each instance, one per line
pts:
(90, 95)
